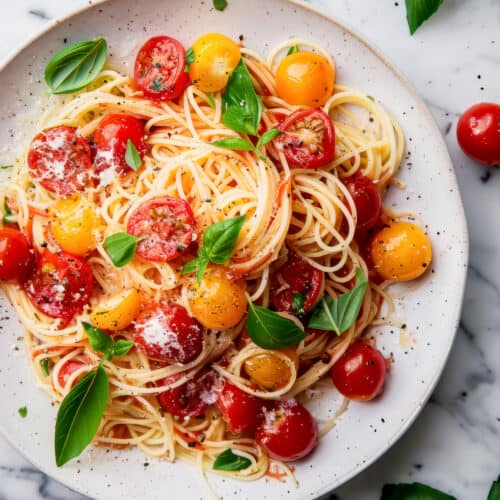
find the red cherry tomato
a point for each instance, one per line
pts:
(478, 132)
(190, 399)
(300, 278)
(308, 139)
(67, 370)
(166, 332)
(159, 68)
(61, 285)
(111, 138)
(367, 200)
(59, 159)
(16, 259)
(167, 226)
(239, 409)
(360, 373)
(287, 431)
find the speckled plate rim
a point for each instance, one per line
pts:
(451, 177)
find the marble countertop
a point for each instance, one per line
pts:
(453, 61)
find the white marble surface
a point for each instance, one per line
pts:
(452, 61)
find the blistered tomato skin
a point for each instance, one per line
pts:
(16, 257)
(401, 252)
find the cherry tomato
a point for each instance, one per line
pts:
(190, 399)
(299, 278)
(367, 200)
(111, 138)
(400, 252)
(215, 57)
(159, 68)
(67, 370)
(305, 78)
(61, 285)
(165, 331)
(308, 140)
(115, 313)
(59, 159)
(478, 132)
(288, 431)
(166, 224)
(360, 373)
(217, 302)
(239, 409)
(16, 259)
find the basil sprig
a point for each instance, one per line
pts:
(418, 11)
(132, 157)
(340, 313)
(228, 460)
(121, 248)
(220, 4)
(74, 67)
(217, 246)
(413, 491)
(101, 342)
(242, 144)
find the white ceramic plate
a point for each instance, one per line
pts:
(430, 309)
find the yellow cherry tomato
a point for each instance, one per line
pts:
(401, 252)
(217, 302)
(74, 225)
(306, 79)
(215, 57)
(270, 371)
(117, 311)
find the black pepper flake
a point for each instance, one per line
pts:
(486, 177)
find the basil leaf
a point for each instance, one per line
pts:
(189, 59)
(340, 313)
(298, 301)
(6, 167)
(292, 50)
(98, 340)
(418, 11)
(132, 157)
(121, 347)
(76, 66)
(80, 414)
(494, 493)
(201, 270)
(237, 143)
(220, 4)
(210, 99)
(220, 238)
(121, 248)
(414, 491)
(371, 98)
(23, 411)
(191, 266)
(45, 366)
(242, 107)
(269, 330)
(8, 216)
(268, 136)
(228, 460)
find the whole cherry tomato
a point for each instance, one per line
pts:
(16, 258)
(367, 200)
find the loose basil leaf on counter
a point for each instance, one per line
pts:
(121, 248)
(98, 340)
(121, 347)
(298, 301)
(237, 143)
(494, 493)
(228, 460)
(8, 216)
(269, 330)
(220, 4)
(80, 414)
(23, 411)
(418, 11)
(74, 67)
(292, 50)
(413, 491)
(132, 157)
(268, 136)
(340, 313)
(45, 366)
(189, 59)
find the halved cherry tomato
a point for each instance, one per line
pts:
(190, 399)
(159, 68)
(308, 140)
(401, 252)
(61, 285)
(367, 200)
(67, 370)
(287, 431)
(239, 409)
(115, 313)
(360, 373)
(16, 258)
(110, 139)
(59, 159)
(165, 331)
(478, 132)
(305, 78)
(299, 277)
(215, 57)
(167, 226)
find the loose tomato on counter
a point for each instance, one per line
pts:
(367, 200)
(116, 312)
(400, 252)
(160, 68)
(16, 257)
(360, 373)
(287, 431)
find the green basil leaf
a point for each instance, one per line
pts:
(414, 491)
(201, 270)
(45, 366)
(6, 167)
(494, 493)
(74, 67)
(242, 107)
(220, 4)
(228, 460)
(371, 98)
(121, 347)
(292, 50)
(220, 238)
(8, 216)
(80, 414)
(268, 136)
(298, 301)
(121, 248)
(99, 341)
(340, 313)
(237, 143)
(132, 157)
(210, 99)
(191, 266)
(418, 11)
(23, 411)
(189, 59)
(269, 330)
